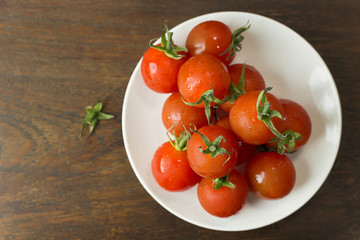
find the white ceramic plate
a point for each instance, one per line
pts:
(295, 70)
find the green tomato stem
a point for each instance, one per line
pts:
(93, 115)
(237, 90)
(285, 141)
(179, 143)
(207, 97)
(213, 148)
(236, 40)
(223, 181)
(167, 45)
(265, 113)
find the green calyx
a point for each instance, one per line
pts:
(207, 97)
(167, 45)
(237, 90)
(223, 181)
(285, 141)
(213, 148)
(265, 113)
(179, 143)
(236, 40)
(93, 115)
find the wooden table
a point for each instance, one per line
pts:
(57, 57)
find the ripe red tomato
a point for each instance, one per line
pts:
(210, 37)
(171, 169)
(210, 165)
(244, 120)
(176, 113)
(200, 74)
(245, 151)
(297, 119)
(160, 71)
(225, 201)
(270, 175)
(224, 122)
(253, 80)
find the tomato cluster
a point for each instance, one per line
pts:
(227, 133)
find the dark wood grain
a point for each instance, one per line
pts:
(57, 57)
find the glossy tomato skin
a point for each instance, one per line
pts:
(159, 71)
(205, 165)
(176, 113)
(244, 122)
(171, 169)
(270, 175)
(253, 80)
(297, 119)
(210, 37)
(225, 201)
(201, 73)
(224, 122)
(245, 151)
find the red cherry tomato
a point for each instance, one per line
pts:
(210, 37)
(205, 164)
(200, 74)
(225, 201)
(297, 119)
(270, 175)
(159, 71)
(176, 113)
(245, 151)
(253, 80)
(245, 123)
(171, 169)
(224, 122)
